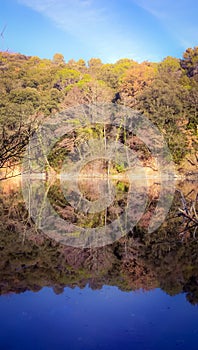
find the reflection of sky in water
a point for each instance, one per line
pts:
(100, 319)
(106, 318)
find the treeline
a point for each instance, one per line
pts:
(32, 88)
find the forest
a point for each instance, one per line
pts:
(31, 89)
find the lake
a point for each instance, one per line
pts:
(79, 268)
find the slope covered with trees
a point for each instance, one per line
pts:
(32, 89)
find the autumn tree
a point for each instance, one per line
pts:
(58, 59)
(135, 80)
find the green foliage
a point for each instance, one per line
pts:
(170, 64)
(22, 96)
(83, 82)
(120, 167)
(190, 61)
(65, 77)
(166, 92)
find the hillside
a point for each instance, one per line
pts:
(166, 92)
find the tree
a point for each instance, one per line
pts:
(58, 59)
(81, 66)
(94, 65)
(190, 61)
(163, 102)
(88, 91)
(12, 146)
(135, 80)
(66, 77)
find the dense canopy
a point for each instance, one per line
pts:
(32, 89)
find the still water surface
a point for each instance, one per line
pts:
(141, 292)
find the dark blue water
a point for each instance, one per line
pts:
(101, 319)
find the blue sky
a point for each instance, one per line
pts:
(108, 29)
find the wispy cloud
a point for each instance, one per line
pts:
(138, 29)
(178, 17)
(89, 21)
(92, 22)
(70, 15)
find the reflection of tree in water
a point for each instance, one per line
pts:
(30, 261)
(90, 192)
